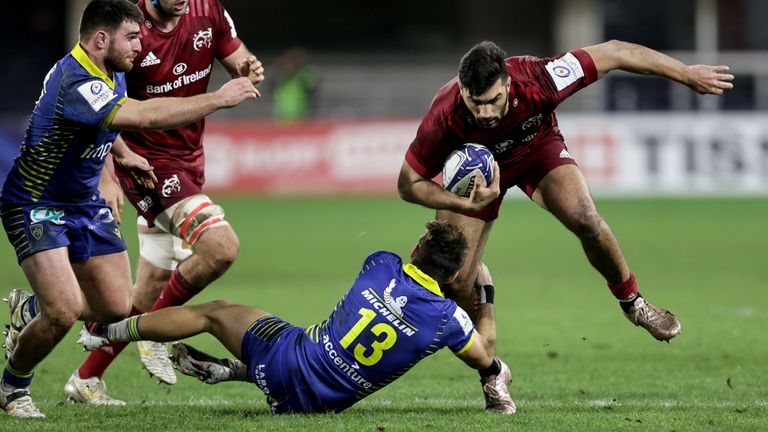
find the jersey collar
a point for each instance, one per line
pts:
(82, 57)
(422, 278)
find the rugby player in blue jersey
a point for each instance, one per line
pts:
(394, 315)
(65, 236)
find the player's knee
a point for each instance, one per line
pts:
(218, 304)
(215, 312)
(115, 311)
(223, 255)
(586, 221)
(61, 319)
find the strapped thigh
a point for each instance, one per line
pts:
(160, 248)
(190, 217)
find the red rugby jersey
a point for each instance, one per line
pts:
(178, 63)
(537, 86)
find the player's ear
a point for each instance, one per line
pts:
(453, 277)
(415, 251)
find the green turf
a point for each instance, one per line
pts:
(577, 363)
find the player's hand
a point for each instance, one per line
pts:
(236, 90)
(113, 195)
(483, 276)
(481, 195)
(139, 167)
(706, 79)
(252, 68)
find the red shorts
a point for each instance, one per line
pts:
(173, 185)
(525, 168)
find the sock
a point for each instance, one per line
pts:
(176, 293)
(125, 330)
(14, 378)
(624, 291)
(29, 310)
(241, 370)
(493, 369)
(98, 361)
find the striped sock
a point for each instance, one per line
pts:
(125, 330)
(17, 379)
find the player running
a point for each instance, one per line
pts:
(394, 315)
(508, 106)
(65, 237)
(180, 41)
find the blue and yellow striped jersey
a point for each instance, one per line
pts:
(68, 135)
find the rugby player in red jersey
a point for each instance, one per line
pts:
(180, 40)
(507, 104)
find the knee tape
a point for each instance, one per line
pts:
(190, 217)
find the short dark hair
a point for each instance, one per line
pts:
(441, 251)
(481, 66)
(107, 15)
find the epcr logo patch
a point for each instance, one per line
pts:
(96, 87)
(47, 214)
(562, 71)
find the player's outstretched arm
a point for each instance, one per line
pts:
(414, 188)
(482, 351)
(171, 112)
(614, 54)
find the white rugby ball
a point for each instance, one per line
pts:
(463, 164)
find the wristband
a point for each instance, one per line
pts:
(487, 294)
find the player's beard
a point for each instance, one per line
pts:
(118, 61)
(496, 119)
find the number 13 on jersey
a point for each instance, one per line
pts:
(377, 347)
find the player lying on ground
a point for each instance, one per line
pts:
(394, 315)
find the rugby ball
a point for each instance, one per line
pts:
(463, 164)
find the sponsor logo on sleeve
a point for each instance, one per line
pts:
(565, 71)
(464, 320)
(97, 94)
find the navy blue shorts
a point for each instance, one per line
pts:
(272, 348)
(86, 229)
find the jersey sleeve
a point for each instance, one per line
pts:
(225, 29)
(381, 257)
(432, 145)
(90, 101)
(459, 332)
(560, 77)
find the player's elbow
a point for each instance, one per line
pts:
(405, 188)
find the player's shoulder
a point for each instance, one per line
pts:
(524, 67)
(447, 96)
(71, 75)
(383, 257)
(203, 8)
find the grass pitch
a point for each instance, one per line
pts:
(577, 363)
